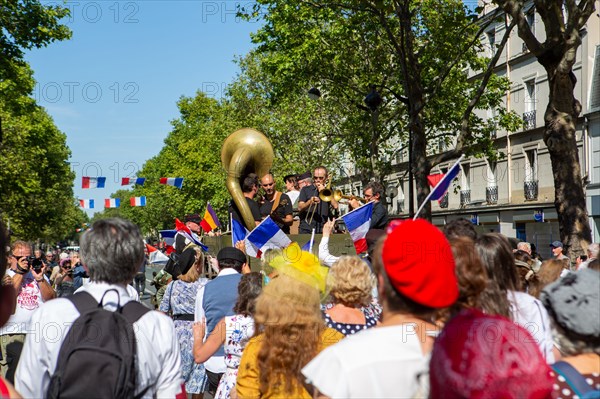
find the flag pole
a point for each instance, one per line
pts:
(433, 190)
(312, 240)
(231, 227)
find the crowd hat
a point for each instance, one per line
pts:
(556, 244)
(418, 261)
(63, 261)
(302, 266)
(192, 217)
(231, 253)
(305, 175)
(484, 356)
(572, 301)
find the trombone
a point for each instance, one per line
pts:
(322, 195)
(338, 195)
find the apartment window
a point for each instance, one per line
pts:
(531, 165)
(530, 95)
(400, 197)
(465, 181)
(531, 20)
(491, 174)
(491, 39)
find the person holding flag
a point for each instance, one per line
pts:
(185, 241)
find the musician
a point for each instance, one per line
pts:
(249, 190)
(276, 204)
(309, 201)
(373, 193)
(292, 191)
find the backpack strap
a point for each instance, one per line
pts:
(573, 378)
(133, 310)
(276, 202)
(83, 301)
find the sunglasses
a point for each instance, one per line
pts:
(319, 177)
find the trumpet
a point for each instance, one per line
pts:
(338, 195)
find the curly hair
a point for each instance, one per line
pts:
(523, 264)
(350, 281)
(249, 289)
(288, 314)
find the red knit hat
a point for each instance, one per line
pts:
(418, 261)
(481, 356)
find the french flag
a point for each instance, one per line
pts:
(137, 201)
(86, 203)
(155, 256)
(168, 237)
(172, 181)
(187, 233)
(112, 202)
(442, 185)
(238, 232)
(267, 235)
(358, 223)
(126, 181)
(92, 182)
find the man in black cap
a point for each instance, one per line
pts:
(216, 300)
(184, 247)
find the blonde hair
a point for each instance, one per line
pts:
(193, 274)
(350, 281)
(288, 315)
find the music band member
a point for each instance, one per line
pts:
(276, 204)
(373, 193)
(314, 212)
(249, 190)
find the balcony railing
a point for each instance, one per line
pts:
(529, 120)
(444, 201)
(531, 190)
(491, 195)
(465, 197)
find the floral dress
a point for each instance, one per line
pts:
(180, 298)
(238, 331)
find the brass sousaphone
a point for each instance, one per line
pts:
(245, 151)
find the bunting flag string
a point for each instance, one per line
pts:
(137, 201)
(100, 182)
(92, 182)
(127, 181)
(86, 203)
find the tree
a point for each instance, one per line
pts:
(35, 178)
(26, 24)
(416, 55)
(563, 22)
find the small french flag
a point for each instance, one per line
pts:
(137, 201)
(126, 181)
(92, 182)
(112, 202)
(358, 223)
(172, 181)
(86, 203)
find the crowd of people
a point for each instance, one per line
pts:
(423, 312)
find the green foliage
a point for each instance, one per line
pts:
(35, 177)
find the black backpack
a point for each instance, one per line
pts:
(97, 357)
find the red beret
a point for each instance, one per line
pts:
(418, 261)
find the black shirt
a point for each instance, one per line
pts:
(235, 213)
(322, 211)
(283, 209)
(379, 219)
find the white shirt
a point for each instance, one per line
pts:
(293, 196)
(28, 300)
(158, 358)
(133, 294)
(325, 256)
(381, 362)
(215, 364)
(529, 313)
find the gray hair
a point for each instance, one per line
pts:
(593, 250)
(524, 246)
(112, 250)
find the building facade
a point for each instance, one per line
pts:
(515, 195)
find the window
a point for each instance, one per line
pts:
(491, 39)
(465, 181)
(530, 95)
(531, 165)
(530, 16)
(491, 174)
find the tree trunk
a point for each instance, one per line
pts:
(420, 164)
(560, 138)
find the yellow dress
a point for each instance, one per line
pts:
(247, 385)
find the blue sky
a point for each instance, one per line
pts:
(112, 89)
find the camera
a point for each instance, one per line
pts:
(35, 263)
